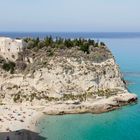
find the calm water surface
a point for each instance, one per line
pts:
(117, 125)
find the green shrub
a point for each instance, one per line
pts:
(68, 43)
(85, 48)
(102, 43)
(9, 66)
(96, 44)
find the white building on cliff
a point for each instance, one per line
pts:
(9, 48)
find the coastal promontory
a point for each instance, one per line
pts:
(59, 76)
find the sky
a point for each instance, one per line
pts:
(70, 15)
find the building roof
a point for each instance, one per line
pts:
(10, 39)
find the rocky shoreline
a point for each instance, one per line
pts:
(96, 107)
(27, 116)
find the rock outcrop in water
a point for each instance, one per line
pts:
(65, 80)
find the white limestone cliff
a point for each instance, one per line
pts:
(67, 81)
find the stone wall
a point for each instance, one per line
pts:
(9, 48)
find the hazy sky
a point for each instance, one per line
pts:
(70, 15)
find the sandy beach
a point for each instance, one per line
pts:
(17, 117)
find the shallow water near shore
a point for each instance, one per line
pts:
(119, 124)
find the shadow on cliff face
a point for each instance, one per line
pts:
(21, 135)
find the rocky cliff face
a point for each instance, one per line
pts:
(59, 76)
(63, 78)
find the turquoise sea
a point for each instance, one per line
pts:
(122, 124)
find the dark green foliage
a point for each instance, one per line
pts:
(91, 42)
(61, 43)
(9, 66)
(31, 44)
(95, 50)
(26, 40)
(102, 43)
(77, 42)
(68, 43)
(85, 48)
(36, 41)
(96, 44)
(41, 44)
(60, 46)
(48, 41)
